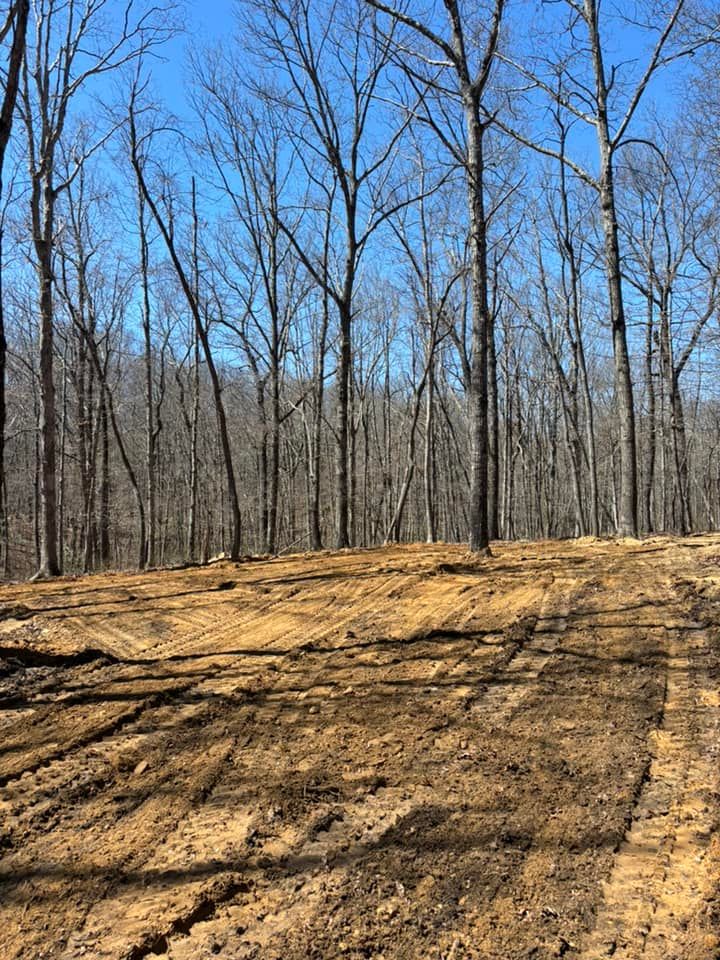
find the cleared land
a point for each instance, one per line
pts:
(400, 753)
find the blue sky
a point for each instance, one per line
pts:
(211, 21)
(206, 23)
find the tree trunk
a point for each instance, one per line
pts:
(274, 485)
(647, 498)
(104, 519)
(494, 436)
(42, 203)
(148, 549)
(342, 487)
(627, 521)
(192, 536)
(478, 392)
(429, 461)
(627, 507)
(201, 332)
(7, 111)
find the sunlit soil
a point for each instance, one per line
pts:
(395, 753)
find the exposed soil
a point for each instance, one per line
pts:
(399, 753)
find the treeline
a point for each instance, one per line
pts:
(385, 274)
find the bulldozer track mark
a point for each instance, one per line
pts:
(660, 874)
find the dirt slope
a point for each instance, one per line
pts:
(400, 753)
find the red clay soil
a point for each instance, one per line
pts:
(400, 753)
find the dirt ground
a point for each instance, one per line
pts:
(397, 753)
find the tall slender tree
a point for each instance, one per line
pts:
(471, 82)
(16, 26)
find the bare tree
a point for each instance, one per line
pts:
(245, 142)
(674, 264)
(416, 230)
(69, 49)
(333, 57)
(138, 146)
(15, 23)
(471, 88)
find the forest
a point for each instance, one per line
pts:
(325, 273)
(360, 480)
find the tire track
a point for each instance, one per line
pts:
(45, 740)
(526, 668)
(45, 769)
(183, 881)
(301, 877)
(660, 871)
(118, 832)
(35, 757)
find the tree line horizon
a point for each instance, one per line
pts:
(429, 272)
